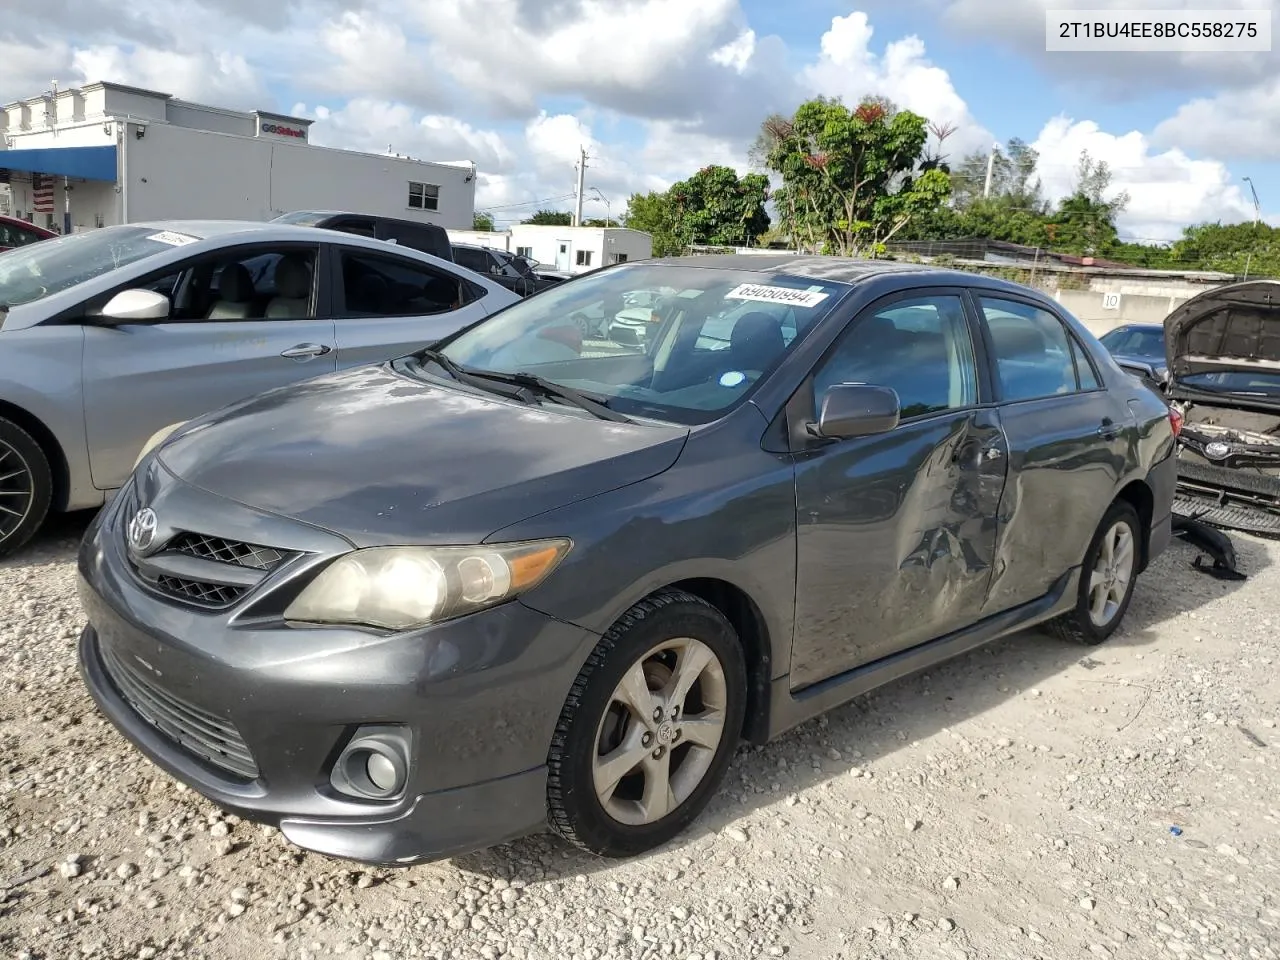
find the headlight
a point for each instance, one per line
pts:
(157, 438)
(404, 587)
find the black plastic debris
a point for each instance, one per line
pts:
(1214, 542)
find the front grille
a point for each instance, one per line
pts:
(249, 555)
(199, 732)
(198, 591)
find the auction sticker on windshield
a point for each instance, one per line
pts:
(173, 239)
(768, 294)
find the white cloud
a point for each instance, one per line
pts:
(377, 126)
(209, 76)
(1236, 124)
(369, 54)
(737, 53)
(848, 68)
(1168, 190)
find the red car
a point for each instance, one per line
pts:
(18, 233)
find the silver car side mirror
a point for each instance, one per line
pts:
(136, 305)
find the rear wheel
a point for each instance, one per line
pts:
(649, 728)
(26, 487)
(1107, 579)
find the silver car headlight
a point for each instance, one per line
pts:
(400, 588)
(157, 438)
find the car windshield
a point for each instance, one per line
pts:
(42, 269)
(1255, 382)
(676, 343)
(303, 218)
(1134, 342)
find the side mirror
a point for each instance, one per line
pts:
(856, 410)
(136, 305)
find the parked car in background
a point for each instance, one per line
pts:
(414, 609)
(18, 233)
(513, 272)
(426, 237)
(108, 336)
(1223, 356)
(1140, 348)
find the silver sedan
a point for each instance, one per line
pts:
(109, 336)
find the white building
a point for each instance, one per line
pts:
(568, 249)
(128, 155)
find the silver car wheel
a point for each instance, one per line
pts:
(660, 731)
(16, 490)
(1109, 581)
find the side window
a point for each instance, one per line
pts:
(920, 347)
(1086, 376)
(472, 259)
(584, 258)
(9, 236)
(377, 286)
(1033, 351)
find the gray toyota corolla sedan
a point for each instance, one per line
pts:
(417, 608)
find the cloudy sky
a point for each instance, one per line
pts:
(655, 89)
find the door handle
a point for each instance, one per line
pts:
(1108, 430)
(305, 351)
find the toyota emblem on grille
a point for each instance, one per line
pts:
(1217, 450)
(142, 529)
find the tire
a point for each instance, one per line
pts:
(26, 486)
(1081, 625)
(649, 643)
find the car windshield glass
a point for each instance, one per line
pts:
(303, 218)
(678, 343)
(1256, 382)
(1137, 343)
(42, 269)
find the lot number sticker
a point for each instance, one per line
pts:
(1111, 301)
(172, 239)
(767, 294)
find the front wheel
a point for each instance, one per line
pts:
(26, 487)
(649, 728)
(1107, 579)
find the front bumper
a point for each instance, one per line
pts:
(479, 696)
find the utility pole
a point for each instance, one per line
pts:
(582, 174)
(991, 165)
(1257, 216)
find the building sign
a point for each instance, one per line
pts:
(280, 130)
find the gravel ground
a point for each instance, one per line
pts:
(1029, 800)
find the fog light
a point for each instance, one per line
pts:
(374, 765)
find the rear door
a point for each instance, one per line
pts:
(271, 327)
(1068, 444)
(387, 306)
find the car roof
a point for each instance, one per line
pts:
(19, 222)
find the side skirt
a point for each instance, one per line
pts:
(788, 709)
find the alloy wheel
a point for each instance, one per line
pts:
(660, 732)
(1112, 571)
(16, 490)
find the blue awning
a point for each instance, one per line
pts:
(82, 163)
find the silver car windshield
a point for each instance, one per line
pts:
(676, 343)
(42, 269)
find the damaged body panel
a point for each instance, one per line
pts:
(1224, 364)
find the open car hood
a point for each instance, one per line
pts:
(1232, 327)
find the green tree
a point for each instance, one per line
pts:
(1014, 182)
(550, 218)
(1085, 221)
(653, 214)
(852, 179)
(718, 208)
(482, 221)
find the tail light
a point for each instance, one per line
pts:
(1175, 421)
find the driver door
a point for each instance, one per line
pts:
(264, 333)
(896, 532)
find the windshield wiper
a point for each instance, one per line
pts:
(531, 381)
(471, 378)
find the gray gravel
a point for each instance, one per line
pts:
(1017, 802)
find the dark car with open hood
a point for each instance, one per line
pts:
(1223, 356)
(527, 577)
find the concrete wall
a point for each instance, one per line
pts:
(601, 245)
(177, 172)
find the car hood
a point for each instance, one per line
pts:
(1232, 327)
(379, 457)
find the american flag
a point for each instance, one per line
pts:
(42, 192)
